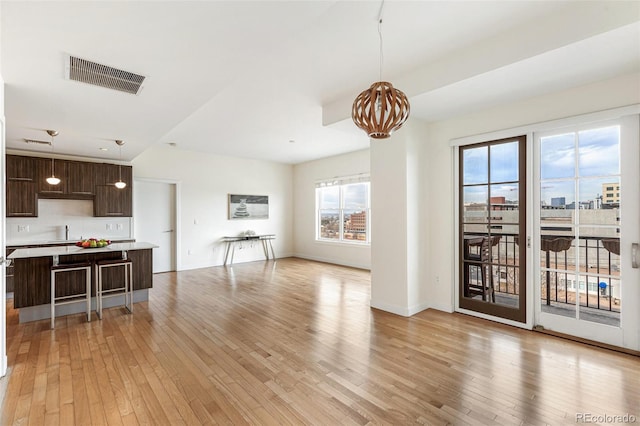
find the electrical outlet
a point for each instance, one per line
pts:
(119, 227)
(23, 228)
(189, 252)
(108, 227)
(437, 279)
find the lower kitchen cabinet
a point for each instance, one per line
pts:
(32, 276)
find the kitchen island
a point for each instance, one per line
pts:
(32, 281)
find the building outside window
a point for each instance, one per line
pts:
(342, 206)
(608, 196)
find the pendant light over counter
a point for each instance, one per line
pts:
(53, 180)
(381, 109)
(120, 184)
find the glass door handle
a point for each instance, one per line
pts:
(634, 255)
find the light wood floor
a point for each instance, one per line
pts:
(295, 342)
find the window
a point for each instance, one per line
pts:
(343, 210)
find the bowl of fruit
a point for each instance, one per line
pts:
(93, 243)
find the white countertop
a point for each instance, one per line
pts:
(67, 250)
(59, 242)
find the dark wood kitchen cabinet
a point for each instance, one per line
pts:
(111, 201)
(21, 198)
(27, 181)
(77, 179)
(109, 174)
(45, 167)
(82, 178)
(32, 276)
(21, 168)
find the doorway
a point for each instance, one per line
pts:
(156, 212)
(492, 206)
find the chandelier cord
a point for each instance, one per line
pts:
(380, 35)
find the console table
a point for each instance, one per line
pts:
(265, 240)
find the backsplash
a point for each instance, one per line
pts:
(55, 215)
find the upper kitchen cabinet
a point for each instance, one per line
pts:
(79, 180)
(109, 174)
(45, 168)
(82, 178)
(21, 198)
(21, 187)
(21, 168)
(109, 200)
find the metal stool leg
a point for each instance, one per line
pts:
(53, 299)
(88, 280)
(130, 285)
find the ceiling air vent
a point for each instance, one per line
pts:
(104, 76)
(36, 141)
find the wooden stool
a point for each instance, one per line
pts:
(64, 300)
(125, 289)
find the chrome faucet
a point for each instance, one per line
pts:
(66, 232)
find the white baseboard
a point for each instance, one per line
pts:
(442, 307)
(333, 261)
(235, 262)
(405, 311)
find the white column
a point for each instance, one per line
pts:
(398, 218)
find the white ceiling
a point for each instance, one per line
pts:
(245, 78)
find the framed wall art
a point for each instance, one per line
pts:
(248, 206)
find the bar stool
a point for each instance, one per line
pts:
(65, 300)
(126, 289)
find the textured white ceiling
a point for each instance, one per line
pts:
(245, 78)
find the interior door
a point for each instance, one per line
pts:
(155, 221)
(492, 222)
(588, 222)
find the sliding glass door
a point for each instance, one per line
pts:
(588, 222)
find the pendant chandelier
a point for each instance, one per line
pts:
(120, 184)
(53, 180)
(381, 109)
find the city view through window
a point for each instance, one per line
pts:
(343, 212)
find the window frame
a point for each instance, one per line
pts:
(341, 184)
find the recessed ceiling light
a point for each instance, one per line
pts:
(292, 141)
(172, 143)
(103, 149)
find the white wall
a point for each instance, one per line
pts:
(305, 176)
(205, 180)
(438, 160)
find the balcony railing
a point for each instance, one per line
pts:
(586, 266)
